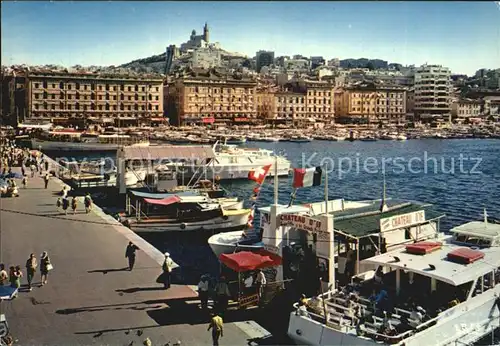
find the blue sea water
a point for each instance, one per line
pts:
(460, 177)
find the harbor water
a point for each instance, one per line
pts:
(460, 177)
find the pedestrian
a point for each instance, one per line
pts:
(32, 167)
(88, 203)
(130, 254)
(45, 267)
(59, 203)
(46, 179)
(25, 182)
(260, 282)
(46, 165)
(15, 276)
(222, 294)
(31, 265)
(65, 205)
(74, 204)
(217, 326)
(167, 270)
(203, 287)
(3, 274)
(23, 171)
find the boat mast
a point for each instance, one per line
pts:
(275, 179)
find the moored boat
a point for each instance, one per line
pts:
(442, 291)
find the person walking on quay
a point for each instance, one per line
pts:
(217, 326)
(32, 168)
(23, 171)
(3, 274)
(46, 165)
(167, 267)
(88, 203)
(130, 254)
(203, 287)
(31, 265)
(65, 205)
(260, 282)
(15, 276)
(45, 267)
(74, 204)
(25, 182)
(59, 204)
(46, 179)
(222, 294)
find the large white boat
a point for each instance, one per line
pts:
(443, 291)
(183, 211)
(71, 140)
(232, 162)
(345, 214)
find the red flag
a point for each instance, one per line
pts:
(259, 175)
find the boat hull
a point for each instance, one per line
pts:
(73, 146)
(463, 324)
(226, 243)
(218, 224)
(229, 172)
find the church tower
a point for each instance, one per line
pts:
(205, 33)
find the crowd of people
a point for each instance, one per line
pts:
(15, 275)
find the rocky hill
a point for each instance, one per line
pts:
(155, 63)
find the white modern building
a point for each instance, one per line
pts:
(206, 57)
(432, 91)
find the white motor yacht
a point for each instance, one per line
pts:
(443, 291)
(232, 162)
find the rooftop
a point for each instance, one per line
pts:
(365, 221)
(478, 229)
(447, 271)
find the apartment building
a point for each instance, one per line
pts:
(432, 92)
(466, 108)
(265, 102)
(320, 101)
(289, 106)
(372, 103)
(80, 98)
(205, 98)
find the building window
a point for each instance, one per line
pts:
(136, 88)
(45, 84)
(156, 98)
(77, 106)
(107, 87)
(107, 106)
(121, 97)
(77, 86)
(122, 87)
(129, 88)
(37, 85)
(92, 86)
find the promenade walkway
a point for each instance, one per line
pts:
(90, 297)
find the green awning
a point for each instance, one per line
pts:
(365, 225)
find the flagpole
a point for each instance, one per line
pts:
(326, 189)
(275, 179)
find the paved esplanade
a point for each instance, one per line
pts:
(90, 298)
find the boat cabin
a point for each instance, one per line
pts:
(436, 290)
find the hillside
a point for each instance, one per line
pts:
(155, 63)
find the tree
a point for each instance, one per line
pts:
(370, 66)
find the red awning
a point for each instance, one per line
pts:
(245, 260)
(164, 201)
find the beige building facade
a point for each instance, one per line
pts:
(466, 109)
(212, 100)
(369, 103)
(73, 98)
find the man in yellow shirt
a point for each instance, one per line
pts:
(216, 324)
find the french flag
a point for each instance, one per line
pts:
(306, 177)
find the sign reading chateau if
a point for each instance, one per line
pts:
(305, 223)
(402, 221)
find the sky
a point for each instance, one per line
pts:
(464, 36)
